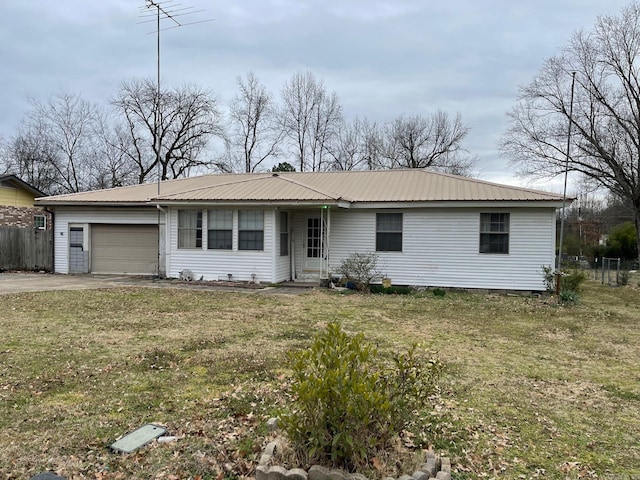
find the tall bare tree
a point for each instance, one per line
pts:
(426, 142)
(115, 167)
(186, 119)
(55, 148)
(356, 146)
(310, 117)
(256, 133)
(605, 142)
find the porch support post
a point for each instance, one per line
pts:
(328, 243)
(322, 244)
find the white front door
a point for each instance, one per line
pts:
(313, 246)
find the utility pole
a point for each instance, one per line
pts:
(564, 194)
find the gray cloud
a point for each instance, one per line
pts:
(382, 57)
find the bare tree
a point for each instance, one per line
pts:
(356, 146)
(310, 117)
(32, 158)
(115, 167)
(256, 133)
(605, 143)
(55, 148)
(426, 142)
(186, 119)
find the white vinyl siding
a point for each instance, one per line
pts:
(218, 264)
(440, 248)
(85, 217)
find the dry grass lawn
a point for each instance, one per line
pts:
(531, 389)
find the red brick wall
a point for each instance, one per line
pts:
(21, 216)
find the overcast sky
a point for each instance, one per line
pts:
(382, 57)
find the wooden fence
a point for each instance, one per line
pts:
(26, 249)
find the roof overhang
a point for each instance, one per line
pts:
(94, 204)
(312, 204)
(463, 204)
(19, 183)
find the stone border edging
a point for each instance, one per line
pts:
(434, 467)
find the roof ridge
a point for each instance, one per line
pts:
(300, 184)
(254, 177)
(224, 184)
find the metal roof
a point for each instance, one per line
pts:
(377, 186)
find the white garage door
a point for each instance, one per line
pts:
(128, 249)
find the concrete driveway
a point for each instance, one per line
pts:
(16, 282)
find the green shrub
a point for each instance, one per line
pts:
(569, 297)
(571, 280)
(549, 278)
(624, 277)
(439, 292)
(392, 290)
(348, 402)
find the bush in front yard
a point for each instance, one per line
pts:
(348, 402)
(360, 269)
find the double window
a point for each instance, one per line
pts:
(388, 232)
(220, 229)
(189, 228)
(494, 233)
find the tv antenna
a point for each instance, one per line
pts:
(155, 11)
(167, 11)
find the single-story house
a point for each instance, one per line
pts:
(427, 228)
(17, 205)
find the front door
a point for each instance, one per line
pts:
(78, 256)
(314, 244)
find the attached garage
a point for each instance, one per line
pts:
(124, 249)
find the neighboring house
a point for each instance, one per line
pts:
(428, 229)
(17, 205)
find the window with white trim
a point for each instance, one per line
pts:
(40, 222)
(494, 233)
(388, 232)
(250, 230)
(284, 234)
(220, 229)
(189, 229)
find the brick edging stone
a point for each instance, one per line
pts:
(435, 466)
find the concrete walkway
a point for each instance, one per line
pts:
(17, 282)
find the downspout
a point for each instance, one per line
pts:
(161, 210)
(53, 239)
(328, 243)
(322, 244)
